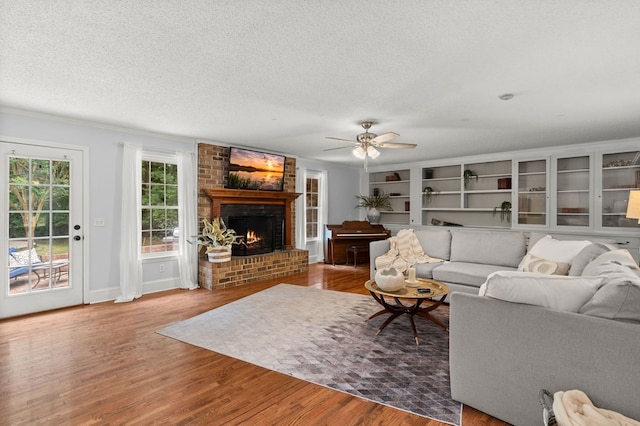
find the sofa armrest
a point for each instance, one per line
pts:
(502, 354)
(376, 248)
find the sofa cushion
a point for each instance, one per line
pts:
(488, 247)
(557, 292)
(619, 297)
(435, 242)
(612, 262)
(586, 256)
(556, 250)
(531, 263)
(472, 274)
(425, 270)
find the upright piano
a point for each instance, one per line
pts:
(357, 233)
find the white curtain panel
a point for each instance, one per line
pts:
(188, 257)
(301, 217)
(324, 198)
(130, 226)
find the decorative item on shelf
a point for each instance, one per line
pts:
(438, 222)
(538, 189)
(373, 204)
(428, 173)
(407, 206)
(217, 240)
(505, 211)
(394, 194)
(467, 175)
(393, 178)
(618, 163)
(429, 193)
(376, 191)
(389, 279)
(504, 183)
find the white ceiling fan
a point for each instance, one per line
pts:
(366, 144)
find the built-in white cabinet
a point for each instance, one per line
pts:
(620, 173)
(532, 183)
(397, 184)
(574, 190)
(470, 194)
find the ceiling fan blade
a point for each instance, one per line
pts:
(397, 145)
(384, 137)
(340, 139)
(340, 147)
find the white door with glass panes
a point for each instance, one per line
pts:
(42, 232)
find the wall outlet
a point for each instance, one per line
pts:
(162, 267)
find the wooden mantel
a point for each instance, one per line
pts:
(220, 196)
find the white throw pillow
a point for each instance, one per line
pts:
(559, 251)
(531, 263)
(556, 292)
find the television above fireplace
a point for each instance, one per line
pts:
(255, 170)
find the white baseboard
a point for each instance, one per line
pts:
(113, 293)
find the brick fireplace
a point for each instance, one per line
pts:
(215, 200)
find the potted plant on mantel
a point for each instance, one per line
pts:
(217, 240)
(374, 204)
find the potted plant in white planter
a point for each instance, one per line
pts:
(217, 240)
(373, 204)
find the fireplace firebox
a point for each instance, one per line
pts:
(254, 234)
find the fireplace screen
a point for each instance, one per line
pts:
(254, 234)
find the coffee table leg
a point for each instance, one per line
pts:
(415, 332)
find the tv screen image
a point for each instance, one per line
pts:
(255, 170)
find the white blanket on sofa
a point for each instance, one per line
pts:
(574, 408)
(405, 251)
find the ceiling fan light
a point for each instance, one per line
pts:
(372, 152)
(359, 152)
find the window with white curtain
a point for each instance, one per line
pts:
(159, 205)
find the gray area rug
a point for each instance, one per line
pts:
(321, 336)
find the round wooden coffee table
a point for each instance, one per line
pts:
(415, 298)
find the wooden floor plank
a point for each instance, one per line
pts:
(104, 364)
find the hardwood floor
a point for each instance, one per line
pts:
(104, 364)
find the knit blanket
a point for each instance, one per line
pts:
(404, 251)
(574, 408)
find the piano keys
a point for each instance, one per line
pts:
(357, 233)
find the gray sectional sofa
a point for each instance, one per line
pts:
(502, 353)
(470, 255)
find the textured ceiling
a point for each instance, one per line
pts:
(283, 74)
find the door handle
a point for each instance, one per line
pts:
(77, 238)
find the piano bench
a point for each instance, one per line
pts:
(355, 250)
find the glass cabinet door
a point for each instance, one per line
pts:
(573, 191)
(620, 174)
(532, 192)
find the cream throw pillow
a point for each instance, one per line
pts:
(558, 251)
(531, 263)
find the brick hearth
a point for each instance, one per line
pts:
(248, 269)
(212, 172)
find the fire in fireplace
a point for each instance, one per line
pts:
(254, 234)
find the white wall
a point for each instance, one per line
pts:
(104, 169)
(103, 195)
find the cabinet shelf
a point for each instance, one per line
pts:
(441, 179)
(389, 182)
(486, 191)
(394, 212)
(532, 174)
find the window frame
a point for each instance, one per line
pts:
(171, 159)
